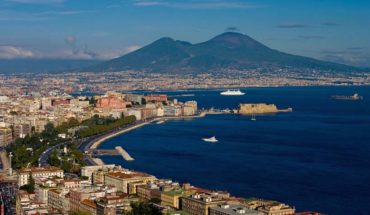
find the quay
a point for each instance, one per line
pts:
(106, 137)
(113, 152)
(124, 154)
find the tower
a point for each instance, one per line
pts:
(65, 150)
(10, 164)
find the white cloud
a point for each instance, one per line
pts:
(132, 48)
(12, 52)
(73, 52)
(195, 4)
(9, 15)
(37, 1)
(70, 40)
(65, 12)
(350, 57)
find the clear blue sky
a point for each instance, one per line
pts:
(337, 30)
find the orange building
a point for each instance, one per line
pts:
(156, 98)
(111, 102)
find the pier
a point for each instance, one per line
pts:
(113, 152)
(124, 154)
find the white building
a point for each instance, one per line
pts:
(4, 99)
(89, 170)
(133, 112)
(38, 172)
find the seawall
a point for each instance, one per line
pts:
(105, 138)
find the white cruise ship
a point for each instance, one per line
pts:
(232, 93)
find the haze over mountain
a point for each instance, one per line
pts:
(229, 50)
(16, 66)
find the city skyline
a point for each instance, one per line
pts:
(65, 29)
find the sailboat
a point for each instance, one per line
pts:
(253, 117)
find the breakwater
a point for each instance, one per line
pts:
(124, 154)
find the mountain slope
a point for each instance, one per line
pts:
(226, 51)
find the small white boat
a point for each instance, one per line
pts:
(232, 93)
(211, 139)
(160, 122)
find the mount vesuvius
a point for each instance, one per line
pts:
(229, 50)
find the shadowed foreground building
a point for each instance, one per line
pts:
(232, 209)
(199, 204)
(269, 207)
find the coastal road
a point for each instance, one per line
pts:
(43, 160)
(88, 142)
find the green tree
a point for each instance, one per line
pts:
(144, 208)
(54, 159)
(63, 128)
(79, 212)
(67, 166)
(30, 187)
(49, 131)
(155, 200)
(31, 182)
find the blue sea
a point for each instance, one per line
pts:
(315, 158)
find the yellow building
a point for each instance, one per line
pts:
(172, 198)
(269, 207)
(6, 136)
(122, 179)
(276, 209)
(199, 204)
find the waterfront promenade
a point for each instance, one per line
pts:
(90, 144)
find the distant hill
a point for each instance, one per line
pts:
(43, 65)
(227, 51)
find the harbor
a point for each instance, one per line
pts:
(264, 151)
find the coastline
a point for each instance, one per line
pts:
(162, 90)
(95, 143)
(103, 139)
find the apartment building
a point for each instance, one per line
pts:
(122, 179)
(38, 172)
